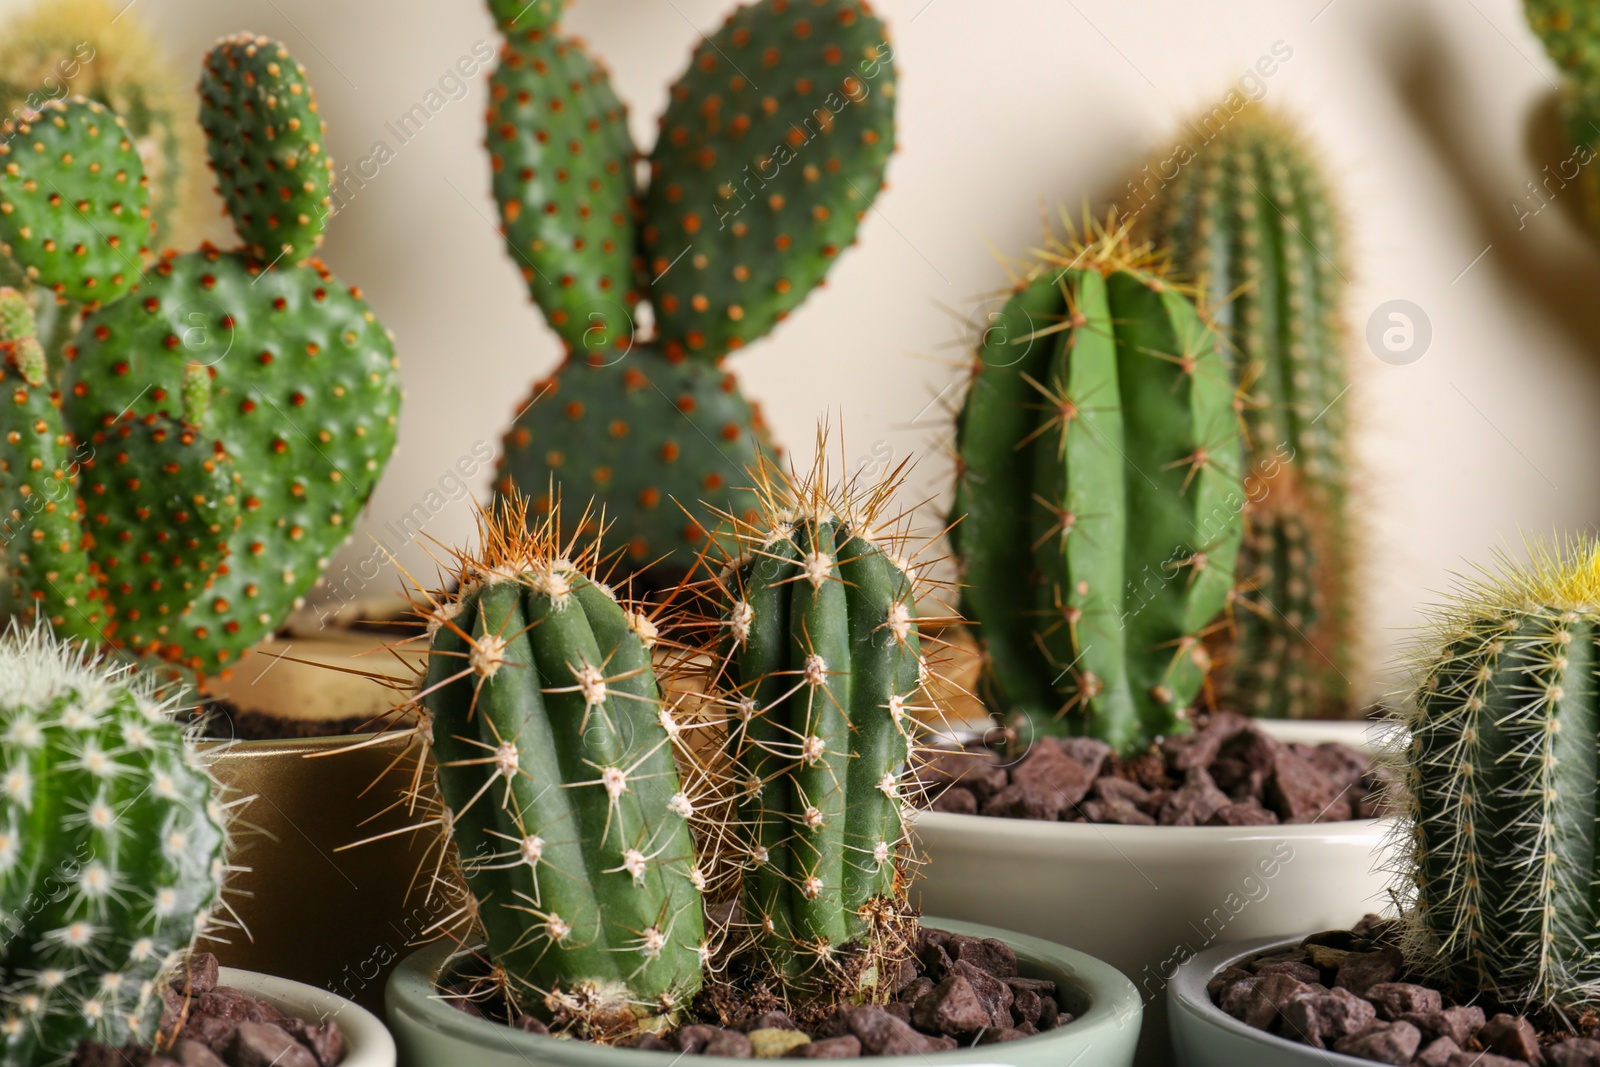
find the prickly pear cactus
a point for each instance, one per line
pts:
(1097, 505)
(233, 413)
(111, 849)
(1251, 220)
(818, 665)
(771, 151)
(1500, 777)
(555, 754)
(99, 50)
(654, 435)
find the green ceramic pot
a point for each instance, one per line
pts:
(1103, 1032)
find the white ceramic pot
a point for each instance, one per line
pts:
(1146, 898)
(1203, 1035)
(366, 1041)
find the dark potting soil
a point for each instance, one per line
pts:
(958, 991)
(1228, 772)
(209, 1025)
(226, 721)
(1349, 991)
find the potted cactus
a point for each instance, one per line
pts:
(723, 869)
(1492, 955)
(190, 437)
(772, 149)
(1100, 506)
(113, 852)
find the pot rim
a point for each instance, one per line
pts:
(1186, 992)
(368, 1042)
(1113, 1003)
(218, 748)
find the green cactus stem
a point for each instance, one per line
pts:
(99, 50)
(818, 664)
(1570, 31)
(555, 754)
(1500, 774)
(1097, 507)
(1251, 219)
(651, 439)
(111, 849)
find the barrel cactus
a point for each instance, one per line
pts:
(817, 664)
(1250, 219)
(772, 148)
(99, 50)
(111, 849)
(207, 436)
(556, 757)
(1096, 518)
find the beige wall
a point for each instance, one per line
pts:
(1422, 110)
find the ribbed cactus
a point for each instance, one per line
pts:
(817, 663)
(1501, 774)
(772, 147)
(1097, 506)
(111, 849)
(1251, 221)
(555, 755)
(1570, 30)
(223, 423)
(99, 50)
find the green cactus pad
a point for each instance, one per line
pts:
(1251, 220)
(773, 147)
(304, 401)
(562, 163)
(525, 21)
(44, 563)
(264, 137)
(1500, 781)
(74, 206)
(556, 757)
(644, 438)
(161, 505)
(1098, 496)
(111, 850)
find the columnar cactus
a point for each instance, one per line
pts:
(818, 664)
(1250, 220)
(772, 147)
(1570, 30)
(555, 755)
(1501, 775)
(222, 415)
(99, 50)
(111, 849)
(1097, 509)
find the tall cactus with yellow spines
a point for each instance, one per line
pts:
(816, 660)
(1500, 776)
(771, 150)
(1096, 517)
(207, 436)
(556, 757)
(1251, 220)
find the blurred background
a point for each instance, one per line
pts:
(1433, 117)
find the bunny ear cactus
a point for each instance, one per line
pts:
(1097, 509)
(111, 849)
(772, 148)
(1500, 776)
(98, 50)
(1250, 219)
(555, 755)
(223, 422)
(817, 662)
(1570, 31)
